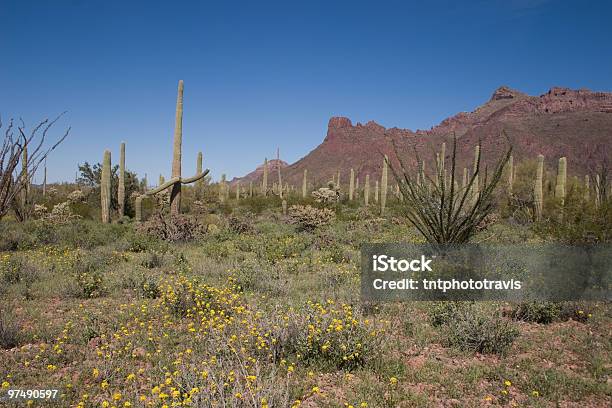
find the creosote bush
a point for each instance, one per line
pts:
(308, 218)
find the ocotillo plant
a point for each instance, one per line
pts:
(366, 190)
(105, 187)
(45, 180)
(538, 194)
(561, 180)
(441, 213)
(383, 185)
(305, 183)
(475, 186)
(352, 185)
(26, 180)
(264, 183)
(121, 187)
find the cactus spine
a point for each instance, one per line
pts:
(105, 187)
(561, 180)
(305, 183)
(264, 183)
(175, 192)
(352, 185)
(121, 187)
(383, 186)
(366, 190)
(538, 194)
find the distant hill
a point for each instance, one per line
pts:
(562, 122)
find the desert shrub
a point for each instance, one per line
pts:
(330, 335)
(10, 333)
(443, 312)
(277, 248)
(87, 279)
(173, 228)
(153, 259)
(258, 204)
(578, 311)
(308, 218)
(576, 222)
(241, 224)
(13, 236)
(11, 268)
(537, 312)
(148, 287)
(472, 329)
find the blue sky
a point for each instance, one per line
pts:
(262, 74)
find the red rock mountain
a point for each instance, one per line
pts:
(562, 122)
(257, 174)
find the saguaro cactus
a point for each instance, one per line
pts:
(538, 195)
(366, 190)
(222, 186)
(383, 185)
(175, 193)
(238, 192)
(284, 203)
(596, 189)
(105, 187)
(561, 180)
(464, 182)
(264, 183)
(587, 182)
(280, 181)
(510, 175)
(251, 188)
(352, 185)
(200, 182)
(338, 181)
(138, 208)
(121, 187)
(305, 183)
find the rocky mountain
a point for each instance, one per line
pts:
(562, 122)
(257, 174)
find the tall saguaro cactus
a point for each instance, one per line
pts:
(352, 185)
(376, 192)
(587, 187)
(280, 181)
(175, 193)
(121, 187)
(561, 180)
(538, 195)
(305, 183)
(199, 183)
(264, 183)
(105, 187)
(383, 185)
(366, 190)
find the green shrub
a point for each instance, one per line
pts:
(149, 288)
(537, 312)
(471, 329)
(10, 333)
(443, 312)
(153, 259)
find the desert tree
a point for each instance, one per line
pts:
(29, 150)
(441, 209)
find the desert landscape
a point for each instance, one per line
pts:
(119, 291)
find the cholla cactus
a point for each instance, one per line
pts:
(40, 211)
(309, 218)
(538, 194)
(561, 180)
(77, 196)
(327, 195)
(105, 187)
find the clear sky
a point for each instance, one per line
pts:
(266, 74)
